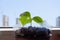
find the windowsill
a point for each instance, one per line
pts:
(56, 30)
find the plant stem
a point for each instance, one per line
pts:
(31, 23)
(23, 25)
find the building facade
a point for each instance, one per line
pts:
(5, 20)
(17, 21)
(58, 21)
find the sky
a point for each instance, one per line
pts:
(49, 10)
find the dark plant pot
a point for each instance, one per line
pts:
(33, 33)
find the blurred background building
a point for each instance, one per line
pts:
(17, 21)
(17, 25)
(5, 21)
(58, 21)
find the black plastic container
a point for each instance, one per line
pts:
(33, 33)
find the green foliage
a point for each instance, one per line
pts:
(25, 18)
(38, 19)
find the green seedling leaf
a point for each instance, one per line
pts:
(25, 18)
(38, 19)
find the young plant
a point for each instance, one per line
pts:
(25, 18)
(32, 32)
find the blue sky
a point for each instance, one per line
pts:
(49, 10)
